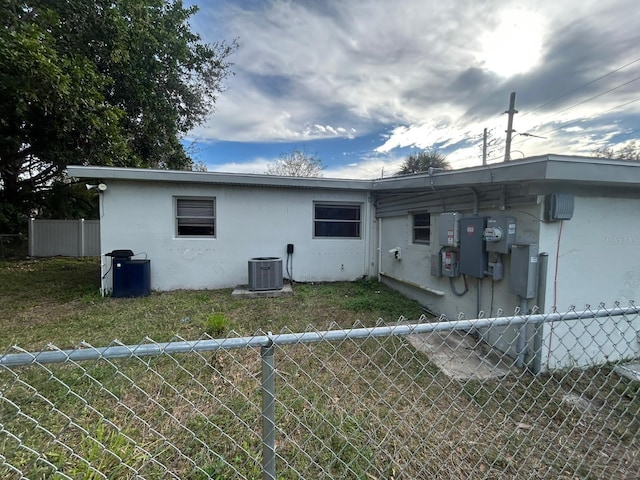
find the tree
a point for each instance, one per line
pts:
(97, 82)
(422, 161)
(296, 164)
(631, 151)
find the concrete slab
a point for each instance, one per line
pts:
(242, 291)
(630, 370)
(461, 356)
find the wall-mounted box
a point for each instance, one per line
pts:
(449, 229)
(558, 206)
(500, 234)
(523, 273)
(450, 263)
(473, 255)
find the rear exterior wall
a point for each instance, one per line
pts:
(250, 222)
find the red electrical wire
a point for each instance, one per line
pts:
(555, 291)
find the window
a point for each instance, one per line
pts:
(421, 228)
(196, 217)
(334, 220)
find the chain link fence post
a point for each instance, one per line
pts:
(268, 414)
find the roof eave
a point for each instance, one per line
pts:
(216, 178)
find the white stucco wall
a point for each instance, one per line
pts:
(598, 261)
(250, 222)
(415, 265)
(597, 254)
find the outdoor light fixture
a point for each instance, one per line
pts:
(101, 186)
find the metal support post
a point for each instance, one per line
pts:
(521, 345)
(268, 414)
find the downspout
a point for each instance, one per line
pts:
(543, 266)
(379, 249)
(367, 240)
(476, 200)
(103, 286)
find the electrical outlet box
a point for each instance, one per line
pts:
(449, 229)
(500, 234)
(396, 253)
(473, 255)
(523, 273)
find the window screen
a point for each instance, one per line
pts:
(196, 217)
(335, 220)
(421, 228)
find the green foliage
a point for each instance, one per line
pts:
(100, 83)
(297, 163)
(369, 296)
(216, 324)
(422, 161)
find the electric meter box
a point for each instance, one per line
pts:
(500, 234)
(473, 254)
(449, 229)
(523, 273)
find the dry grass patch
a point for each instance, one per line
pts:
(373, 408)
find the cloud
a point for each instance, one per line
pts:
(424, 71)
(258, 165)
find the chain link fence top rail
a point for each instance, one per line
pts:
(403, 401)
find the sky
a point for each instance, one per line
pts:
(360, 84)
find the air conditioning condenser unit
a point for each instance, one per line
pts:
(265, 273)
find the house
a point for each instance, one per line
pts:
(551, 231)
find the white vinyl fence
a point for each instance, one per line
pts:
(69, 238)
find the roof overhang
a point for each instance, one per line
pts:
(535, 175)
(214, 178)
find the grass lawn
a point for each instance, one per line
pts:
(57, 301)
(372, 408)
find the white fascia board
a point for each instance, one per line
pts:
(547, 168)
(152, 175)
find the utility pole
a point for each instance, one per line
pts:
(512, 111)
(484, 147)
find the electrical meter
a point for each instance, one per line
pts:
(499, 234)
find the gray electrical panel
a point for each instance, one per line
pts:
(523, 274)
(473, 254)
(500, 234)
(449, 229)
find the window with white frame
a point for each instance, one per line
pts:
(336, 220)
(196, 217)
(421, 228)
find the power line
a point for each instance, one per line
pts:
(598, 95)
(581, 87)
(548, 132)
(550, 117)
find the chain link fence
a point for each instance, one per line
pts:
(402, 401)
